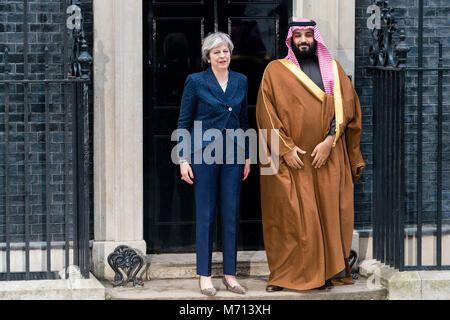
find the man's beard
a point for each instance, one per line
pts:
(303, 54)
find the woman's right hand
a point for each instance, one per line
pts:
(186, 172)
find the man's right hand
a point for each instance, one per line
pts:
(292, 158)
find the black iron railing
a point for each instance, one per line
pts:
(389, 165)
(70, 95)
(397, 217)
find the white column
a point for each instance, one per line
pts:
(118, 135)
(336, 22)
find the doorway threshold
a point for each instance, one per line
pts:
(183, 265)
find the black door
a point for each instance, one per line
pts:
(173, 31)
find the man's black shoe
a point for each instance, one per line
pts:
(327, 285)
(273, 288)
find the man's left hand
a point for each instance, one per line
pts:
(322, 152)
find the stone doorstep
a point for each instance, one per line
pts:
(188, 289)
(73, 288)
(407, 285)
(183, 265)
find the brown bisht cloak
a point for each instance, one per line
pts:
(308, 213)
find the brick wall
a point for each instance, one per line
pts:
(436, 29)
(47, 22)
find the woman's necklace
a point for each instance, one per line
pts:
(222, 77)
(224, 85)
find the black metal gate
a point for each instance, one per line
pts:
(44, 139)
(399, 215)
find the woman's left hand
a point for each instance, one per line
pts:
(246, 169)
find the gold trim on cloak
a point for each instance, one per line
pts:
(268, 113)
(338, 106)
(304, 79)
